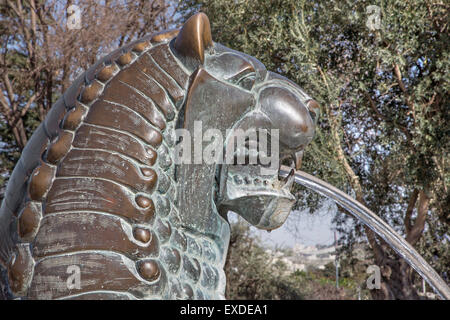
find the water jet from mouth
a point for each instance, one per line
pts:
(375, 223)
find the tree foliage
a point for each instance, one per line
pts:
(383, 90)
(252, 273)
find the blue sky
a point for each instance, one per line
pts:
(311, 229)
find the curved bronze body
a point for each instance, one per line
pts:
(97, 188)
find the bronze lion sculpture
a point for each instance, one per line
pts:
(98, 191)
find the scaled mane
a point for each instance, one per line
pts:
(99, 191)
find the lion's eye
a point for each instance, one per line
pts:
(247, 81)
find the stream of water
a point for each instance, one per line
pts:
(374, 222)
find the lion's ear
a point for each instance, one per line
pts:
(193, 39)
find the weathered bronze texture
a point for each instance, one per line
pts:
(98, 190)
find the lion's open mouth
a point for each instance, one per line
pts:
(261, 184)
(264, 201)
(251, 184)
(245, 176)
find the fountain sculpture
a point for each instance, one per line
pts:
(99, 191)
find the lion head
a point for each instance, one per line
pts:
(233, 95)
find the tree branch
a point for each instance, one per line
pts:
(409, 210)
(386, 119)
(417, 229)
(9, 91)
(409, 103)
